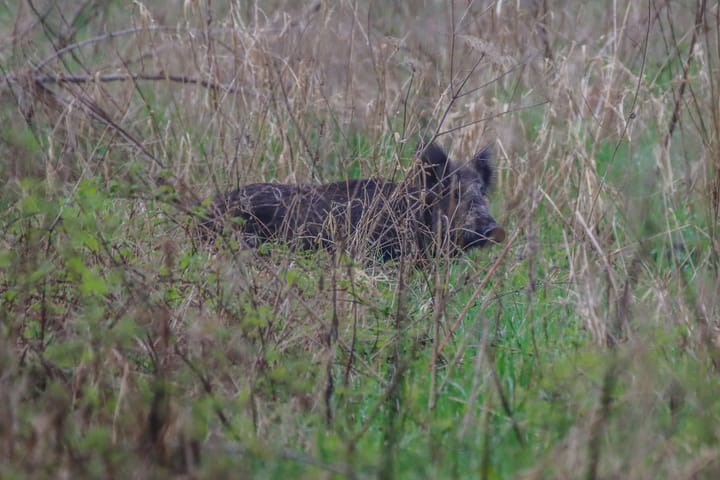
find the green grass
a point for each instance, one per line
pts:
(547, 371)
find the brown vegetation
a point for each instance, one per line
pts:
(586, 343)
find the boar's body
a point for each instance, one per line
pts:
(443, 206)
(388, 216)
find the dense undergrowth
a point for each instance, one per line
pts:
(587, 345)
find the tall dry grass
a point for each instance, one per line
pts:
(605, 120)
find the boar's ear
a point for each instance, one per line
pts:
(482, 163)
(434, 163)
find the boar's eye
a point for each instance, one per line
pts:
(455, 191)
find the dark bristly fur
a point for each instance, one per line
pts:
(443, 208)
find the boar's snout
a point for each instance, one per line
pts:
(491, 232)
(495, 232)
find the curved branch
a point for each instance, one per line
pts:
(121, 77)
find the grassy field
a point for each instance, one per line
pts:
(586, 346)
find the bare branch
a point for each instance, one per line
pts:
(122, 77)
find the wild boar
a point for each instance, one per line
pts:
(441, 207)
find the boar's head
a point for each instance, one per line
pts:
(457, 193)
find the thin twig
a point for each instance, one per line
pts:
(122, 77)
(490, 117)
(686, 70)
